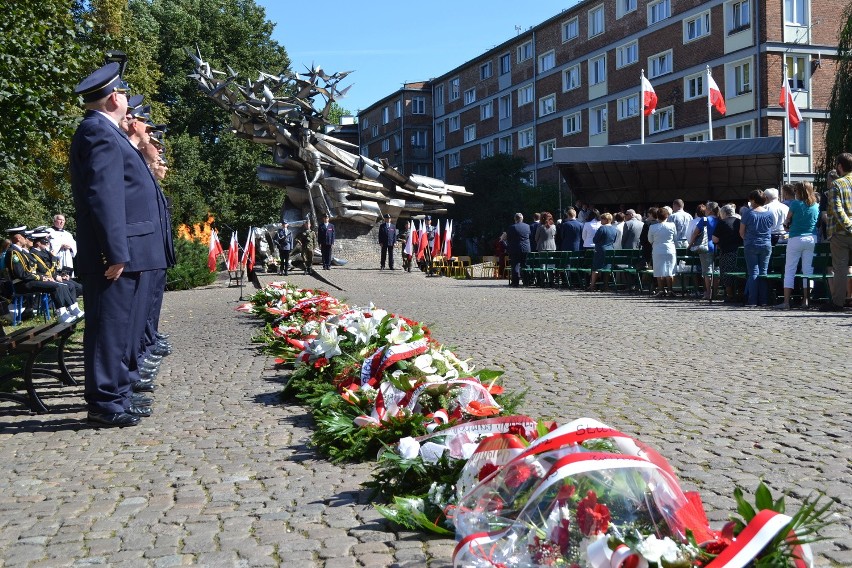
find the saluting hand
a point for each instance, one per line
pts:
(114, 271)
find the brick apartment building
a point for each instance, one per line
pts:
(399, 128)
(574, 80)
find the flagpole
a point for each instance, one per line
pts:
(642, 107)
(709, 103)
(787, 97)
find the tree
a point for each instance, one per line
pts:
(839, 135)
(43, 54)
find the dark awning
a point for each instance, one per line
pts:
(721, 170)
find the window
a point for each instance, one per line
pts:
(597, 120)
(375, 131)
(626, 54)
(660, 64)
(386, 145)
(438, 95)
(505, 103)
(694, 87)
(697, 27)
(796, 72)
(742, 78)
(571, 29)
(545, 150)
(455, 123)
(365, 124)
(485, 71)
(505, 63)
(798, 139)
(455, 87)
(571, 124)
(796, 12)
(365, 150)
(628, 107)
(486, 150)
(454, 159)
(422, 169)
(661, 120)
(439, 167)
(525, 51)
(506, 145)
(547, 105)
(547, 61)
(739, 131)
(597, 70)
(418, 105)
(740, 16)
(659, 11)
(699, 137)
(525, 95)
(596, 21)
(470, 133)
(486, 111)
(397, 142)
(571, 78)
(525, 138)
(385, 115)
(397, 109)
(623, 7)
(439, 132)
(418, 139)
(470, 96)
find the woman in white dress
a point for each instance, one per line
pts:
(663, 252)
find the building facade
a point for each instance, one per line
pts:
(399, 128)
(574, 80)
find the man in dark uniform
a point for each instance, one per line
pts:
(47, 264)
(325, 238)
(23, 274)
(284, 241)
(533, 228)
(387, 238)
(518, 245)
(429, 231)
(122, 236)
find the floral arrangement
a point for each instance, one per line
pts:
(455, 458)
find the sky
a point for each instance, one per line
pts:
(388, 43)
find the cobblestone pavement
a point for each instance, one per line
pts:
(222, 474)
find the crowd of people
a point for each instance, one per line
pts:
(120, 256)
(799, 218)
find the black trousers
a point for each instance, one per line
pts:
(285, 260)
(326, 256)
(60, 293)
(387, 255)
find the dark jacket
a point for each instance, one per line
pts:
(518, 238)
(571, 235)
(387, 235)
(533, 229)
(325, 234)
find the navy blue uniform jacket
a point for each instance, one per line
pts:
(115, 225)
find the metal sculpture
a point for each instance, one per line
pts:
(321, 174)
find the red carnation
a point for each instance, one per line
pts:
(593, 517)
(518, 476)
(320, 363)
(487, 470)
(565, 493)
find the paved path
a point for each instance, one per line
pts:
(222, 475)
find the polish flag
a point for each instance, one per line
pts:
(423, 244)
(248, 251)
(233, 253)
(215, 251)
(448, 240)
(786, 101)
(649, 97)
(436, 243)
(716, 97)
(409, 242)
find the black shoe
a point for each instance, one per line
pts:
(138, 410)
(162, 335)
(148, 376)
(830, 307)
(137, 399)
(118, 420)
(145, 385)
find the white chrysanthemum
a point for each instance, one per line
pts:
(655, 550)
(409, 448)
(310, 327)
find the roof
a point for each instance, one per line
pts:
(651, 173)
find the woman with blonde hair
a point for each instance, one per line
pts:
(801, 223)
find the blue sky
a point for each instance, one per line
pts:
(388, 43)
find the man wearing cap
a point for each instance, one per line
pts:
(23, 274)
(122, 238)
(47, 265)
(284, 243)
(325, 238)
(387, 238)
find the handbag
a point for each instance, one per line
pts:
(701, 244)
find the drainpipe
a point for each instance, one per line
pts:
(535, 110)
(757, 42)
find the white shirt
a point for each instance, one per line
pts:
(59, 238)
(619, 227)
(588, 234)
(779, 213)
(681, 220)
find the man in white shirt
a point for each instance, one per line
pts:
(681, 220)
(779, 213)
(62, 244)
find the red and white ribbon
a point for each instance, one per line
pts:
(384, 357)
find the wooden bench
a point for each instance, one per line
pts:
(32, 342)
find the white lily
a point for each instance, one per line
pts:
(399, 333)
(361, 328)
(424, 363)
(325, 344)
(655, 550)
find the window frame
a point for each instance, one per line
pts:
(576, 72)
(486, 149)
(486, 70)
(418, 105)
(805, 12)
(701, 93)
(593, 63)
(454, 160)
(620, 11)
(567, 26)
(598, 120)
(652, 61)
(654, 126)
(417, 134)
(740, 86)
(438, 96)
(505, 63)
(622, 49)
(385, 114)
(703, 16)
(652, 11)
(525, 51)
(622, 101)
(543, 105)
(469, 133)
(548, 146)
(528, 88)
(737, 25)
(551, 55)
(386, 145)
(504, 144)
(593, 17)
(455, 89)
(470, 96)
(798, 63)
(577, 119)
(486, 114)
(451, 120)
(528, 133)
